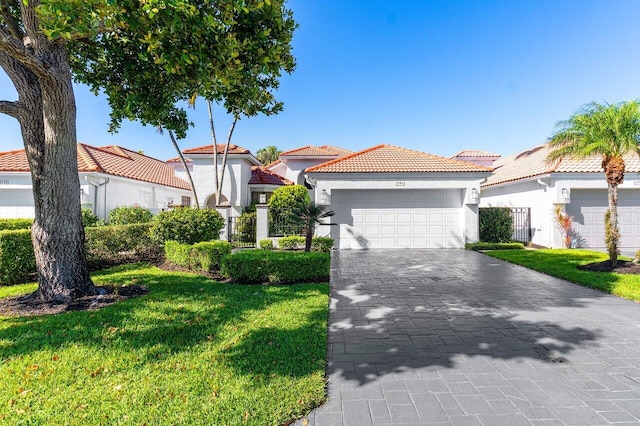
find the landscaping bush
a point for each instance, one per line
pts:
(287, 198)
(17, 261)
(114, 245)
(90, 220)
(266, 244)
(13, 224)
(127, 215)
(204, 256)
(323, 244)
(292, 242)
(494, 246)
(187, 225)
(246, 227)
(258, 266)
(496, 225)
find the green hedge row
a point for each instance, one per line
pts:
(205, 256)
(260, 266)
(106, 246)
(13, 224)
(494, 246)
(17, 261)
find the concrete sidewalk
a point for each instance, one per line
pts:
(456, 337)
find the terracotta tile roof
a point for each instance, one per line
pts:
(111, 160)
(533, 162)
(393, 159)
(177, 160)
(208, 149)
(260, 175)
(316, 151)
(475, 153)
(274, 163)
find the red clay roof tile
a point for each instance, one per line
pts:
(260, 175)
(208, 149)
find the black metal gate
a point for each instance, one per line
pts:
(241, 231)
(521, 224)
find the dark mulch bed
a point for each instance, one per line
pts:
(167, 266)
(24, 306)
(623, 267)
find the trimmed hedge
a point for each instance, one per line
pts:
(13, 224)
(496, 224)
(292, 242)
(494, 246)
(204, 256)
(266, 244)
(125, 215)
(323, 244)
(187, 225)
(276, 267)
(17, 261)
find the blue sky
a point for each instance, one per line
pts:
(436, 76)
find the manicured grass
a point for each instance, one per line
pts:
(562, 264)
(192, 351)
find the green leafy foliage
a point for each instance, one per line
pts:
(268, 154)
(323, 244)
(90, 220)
(204, 256)
(258, 266)
(114, 245)
(287, 198)
(496, 225)
(187, 225)
(14, 224)
(126, 215)
(266, 244)
(246, 227)
(494, 246)
(17, 261)
(291, 242)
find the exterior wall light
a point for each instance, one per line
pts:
(475, 195)
(324, 197)
(566, 195)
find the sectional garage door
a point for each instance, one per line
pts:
(16, 203)
(400, 218)
(588, 207)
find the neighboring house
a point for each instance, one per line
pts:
(245, 179)
(391, 197)
(482, 158)
(527, 180)
(293, 163)
(110, 176)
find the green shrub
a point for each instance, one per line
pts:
(496, 225)
(204, 256)
(287, 198)
(187, 225)
(259, 266)
(90, 220)
(127, 215)
(13, 224)
(266, 244)
(17, 261)
(292, 242)
(494, 246)
(323, 244)
(113, 245)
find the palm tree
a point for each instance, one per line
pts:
(310, 214)
(268, 154)
(610, 131)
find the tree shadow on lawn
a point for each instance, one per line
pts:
(430, 310)
(180, 313)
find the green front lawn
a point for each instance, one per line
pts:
(562, 264)
(192, 351)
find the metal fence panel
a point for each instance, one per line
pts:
(242, 231)
(521, 224)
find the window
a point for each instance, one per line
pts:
(186, 201)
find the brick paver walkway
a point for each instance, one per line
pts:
(456, 337)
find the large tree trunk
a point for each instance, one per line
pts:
(46, 112)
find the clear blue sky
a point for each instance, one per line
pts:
(437, 76)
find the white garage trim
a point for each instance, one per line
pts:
(405, 218)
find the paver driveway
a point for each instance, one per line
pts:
(456, 337)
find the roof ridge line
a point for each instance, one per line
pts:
(346, 157)
(84, 152)
(465, 163)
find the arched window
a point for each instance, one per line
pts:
(211, 201)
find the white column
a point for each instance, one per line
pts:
(262, 223)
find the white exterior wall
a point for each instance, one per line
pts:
(296, 167)
(118, 191)
(466, 182)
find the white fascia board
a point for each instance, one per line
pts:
(516, 181)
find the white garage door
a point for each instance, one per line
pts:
(16, 203)
(397, 218)
(588, 207)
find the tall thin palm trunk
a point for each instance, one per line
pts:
(186, 168)
(224, 157)
(215, 155)
(611, 229)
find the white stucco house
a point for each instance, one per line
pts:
(527, 180)
(110, 176)
(392, 197)
(244, 181)
(293, 163)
